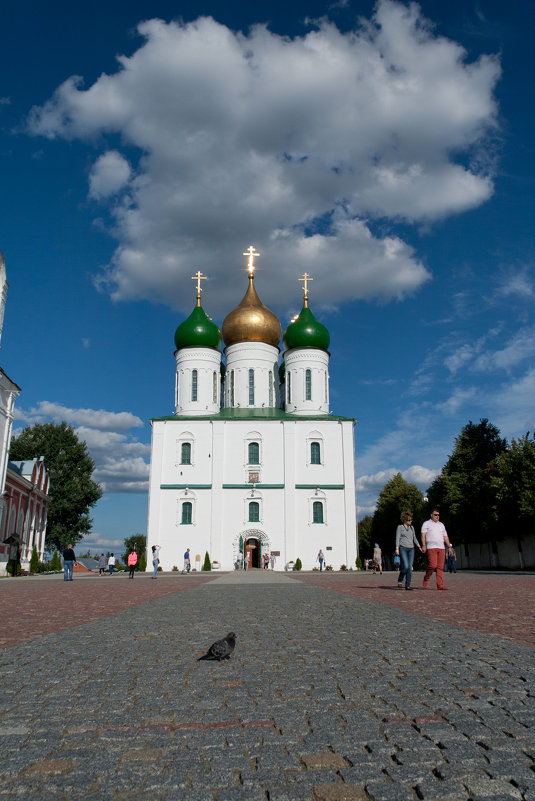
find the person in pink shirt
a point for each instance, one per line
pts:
(434, 543)
(132, 562)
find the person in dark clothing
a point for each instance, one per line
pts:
(69, 560)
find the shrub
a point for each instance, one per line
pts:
(207, 563)
(55, 562)
(343, 567)
(142, 564)
(34, 561)
(160, 570)
(328, 567)
(298, 564)
(358, 563)
(175, 569)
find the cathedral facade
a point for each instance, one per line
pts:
(252, 463)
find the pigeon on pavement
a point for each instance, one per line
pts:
(221, 649)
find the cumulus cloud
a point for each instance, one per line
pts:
(121, 460)
(109, 174)
(99, 419)
(416, 474)
(297, 145)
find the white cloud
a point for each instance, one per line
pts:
(109, 174)
(293, 144)
(416, 474)
(517, 284)
(458, 398)
(121, 460)
(520, 347)
(513, 408)
(99, 419)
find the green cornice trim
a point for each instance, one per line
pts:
(321, 486)
(264, 413)
(256, 486)
(186, 486)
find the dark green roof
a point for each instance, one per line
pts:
(252, 414)
(306, 332)
(198, 331)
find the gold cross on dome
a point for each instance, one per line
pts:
(199, 277)
(305, 279)
(251, 252)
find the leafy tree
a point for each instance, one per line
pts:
(72, 489)
(137, 541)
(365, 533)
(397, 496)
(464, 491)
(514, 484)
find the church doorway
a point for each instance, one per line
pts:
(252, 548)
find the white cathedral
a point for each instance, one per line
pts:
(252, 462)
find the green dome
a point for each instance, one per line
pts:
(306, 332)
(198, 331)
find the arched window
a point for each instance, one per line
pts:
(270, 390)
(194, 385)
(308, 384)
(214, 388)
(186, 513)
(317, 512)
(289, 387)
(254, 512)
(185, 453)
(315, 453)
(232, 387)
(251, 387)
(254, 453)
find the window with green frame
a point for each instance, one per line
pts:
(185, 453)
(317, 512)
(187, 509)
(254, 512)
(315, 453)
(253, 453)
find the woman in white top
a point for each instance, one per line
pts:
(155, 559)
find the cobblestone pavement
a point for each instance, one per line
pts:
(328, 697)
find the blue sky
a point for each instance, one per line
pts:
(386, 149)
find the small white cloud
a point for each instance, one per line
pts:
(520, 347)
(109, 174)
(86, 342)
(5, 101)
(99, 419)
(458, 399)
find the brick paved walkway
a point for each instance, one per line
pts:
(329, 696)
(503, 605)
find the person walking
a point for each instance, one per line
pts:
(187, 561)
(102, 563)
(434, 538)
(272, 558)
(451, 560)
(320, 558)
(406, 542)
(377, 559)
(132, 562)
(246, 560)
(112, 561)
(69, 560)
(155, 560)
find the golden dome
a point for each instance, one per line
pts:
(251, 321)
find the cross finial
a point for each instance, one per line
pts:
(251, 252)
(305, 279)
(199, 277)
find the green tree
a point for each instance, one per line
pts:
(34, 560)
(137, 541)
(72, 490)
(397, 496)
(55, 562)
(464, 491)
(514, 483)
(365, 533)
(207, 563)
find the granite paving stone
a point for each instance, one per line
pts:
(330, 695)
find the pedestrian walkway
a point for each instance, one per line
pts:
(328, 696)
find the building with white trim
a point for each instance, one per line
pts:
(252, 461)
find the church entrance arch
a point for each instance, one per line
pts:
(253, 542)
